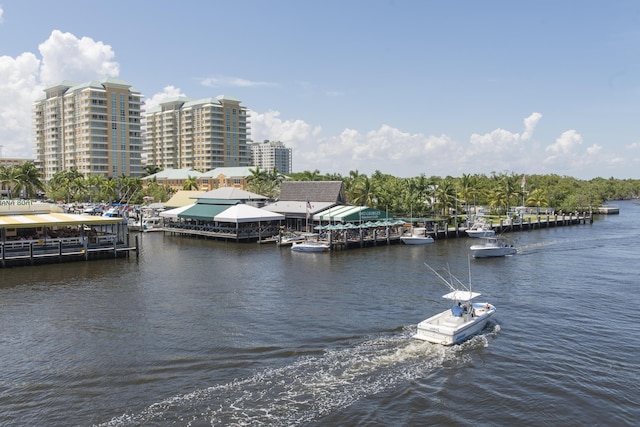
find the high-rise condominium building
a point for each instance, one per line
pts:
(202, 134)
(94, 127)
(268, 155)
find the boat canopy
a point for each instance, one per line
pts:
(346, 213)
(462, 295)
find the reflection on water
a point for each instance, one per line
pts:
(199, 332)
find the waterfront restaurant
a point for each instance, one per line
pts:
(300, 201)
(226, 213)
(33, 232)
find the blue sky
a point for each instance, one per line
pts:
(404, 87)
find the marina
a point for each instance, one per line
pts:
(108, 235)
(103, 346)
(207, 332)
(369, 235)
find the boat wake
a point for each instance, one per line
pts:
(560, 245)
(311, 387)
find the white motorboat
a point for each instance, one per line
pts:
(134, 224)
(152, 223)
(288, 239)
(462, 321)
(310, 244)
(416, 236)
(480, 229)
(113, 212)
(491, 247)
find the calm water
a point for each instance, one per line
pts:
(200, 333)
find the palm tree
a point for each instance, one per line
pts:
(64, 181)
(9, 179)
(468, 189)
(445, 195)
(537, 198)
(29, 180)
(94, 186)
(151, 170)
(310, 176)
(255, 181)
(497, 198)
(191, 183)
(128, 187)
(110, 189)
(362, 192)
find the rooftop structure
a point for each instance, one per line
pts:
(210, 180)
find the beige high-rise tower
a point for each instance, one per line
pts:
(202, 134)
(93, 126)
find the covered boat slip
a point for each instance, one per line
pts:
(347, 213)
(36, 233)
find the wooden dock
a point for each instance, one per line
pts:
(37, 252)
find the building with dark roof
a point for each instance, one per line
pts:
(300, 200)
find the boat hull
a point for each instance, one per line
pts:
(447, 330)
(481, 233)
(413, 240)
(309, 247)
(483, 252)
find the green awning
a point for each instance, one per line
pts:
(203, 211)
(349, 214)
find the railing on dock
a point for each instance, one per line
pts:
(32, 251)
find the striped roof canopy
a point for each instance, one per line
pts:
(54, 219)
(346, 213)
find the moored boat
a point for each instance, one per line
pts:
(480, 229)
(288, 239)
(416, 236)
(152, 223)
(310, 244)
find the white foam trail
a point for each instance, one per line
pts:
(309, 388)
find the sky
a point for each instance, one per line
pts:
(404, 87)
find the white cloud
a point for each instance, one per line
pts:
(167, 93)
(567, 154)
(1, 15)
(633, 146)
(530, 124)
(19, 88)
(23, 78)
(386, 149)
(566, 145)
(65, 57)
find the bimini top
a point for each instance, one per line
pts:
(462, 295)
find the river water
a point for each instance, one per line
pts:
(206, 333)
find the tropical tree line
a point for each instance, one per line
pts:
(71, 186)
(423, 196)
(419, 196)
